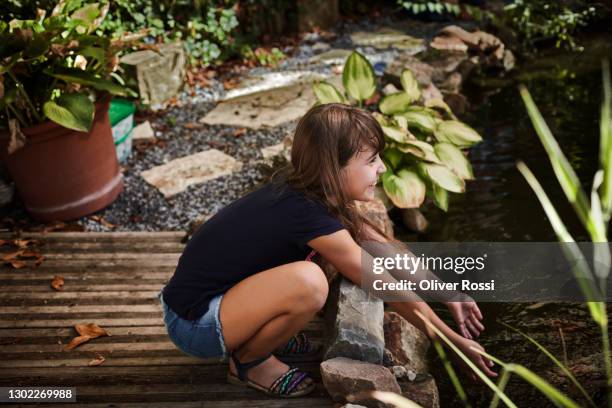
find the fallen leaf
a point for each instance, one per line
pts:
(96, 361)
(77, 341)
(30, 254)
(17, 264)
(11, 255)
(57, 282)
(102, 221)
(24, 243)
(193, 125)
(239, 132)
(91, 330)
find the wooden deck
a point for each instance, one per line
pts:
(112, 279)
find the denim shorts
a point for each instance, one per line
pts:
(202, 337)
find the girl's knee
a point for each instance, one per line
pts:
(311, 285)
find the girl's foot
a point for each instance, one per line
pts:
(298, 348)
(273, 377)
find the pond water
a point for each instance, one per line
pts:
(500, 206)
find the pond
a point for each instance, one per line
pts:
(500, 206)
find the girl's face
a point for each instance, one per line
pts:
(362, 173)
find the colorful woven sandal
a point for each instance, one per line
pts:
(298, 348)
(285, 386)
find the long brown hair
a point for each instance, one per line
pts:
(325, 139)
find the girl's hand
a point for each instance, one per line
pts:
(484, 364)
(468, 317)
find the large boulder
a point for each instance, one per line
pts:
(160, 74)
(355, 323)
(405, 344)
(343, 377)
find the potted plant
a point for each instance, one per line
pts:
(56, 79)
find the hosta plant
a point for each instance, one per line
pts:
(55, 67)
(425, 146)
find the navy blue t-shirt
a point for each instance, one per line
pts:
(266, 228)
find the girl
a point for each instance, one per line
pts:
(242, 286)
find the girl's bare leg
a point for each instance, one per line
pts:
(263, 311)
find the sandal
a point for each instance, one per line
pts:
(283, 387)
(298, 348)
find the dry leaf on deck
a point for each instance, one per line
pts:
(57, 282)
(87, 332)
(92, 330)
(96, 361)
(77, 341)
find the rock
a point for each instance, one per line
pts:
(489, 50)
(390, 89)
(431, 92)
(272, 80)
(449, 44)
(402, 372)
(386, 37)
(269, 108)
(355, 322)
(342, 377)
(271, 151)
(422, 71)
(422, 390)
(376, 212)
(414, 220)
(159, 75)
(457, 102)
(331, 57)
(406, 344)
(143, 131)
(175, 176)
(320, 47)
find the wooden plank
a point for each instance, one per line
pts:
(70, 276)
(87, 236)
(109, 362)
(302, 402)
(51, 294)
(104, 256)
(68, 322)
(125, 375)
(80, 309)
(92, 345)
(90, 262)
(90, 287)
(110, 246)
(316, 324)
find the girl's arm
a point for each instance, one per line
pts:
(345, 254)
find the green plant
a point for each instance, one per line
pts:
(53, 67)
(431, 6)
(263, 56)
(424, 152)
(542, 20)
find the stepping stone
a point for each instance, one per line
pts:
(175, 176)
(268, 108)
(332, 57)
(387, 37)
(271, 80)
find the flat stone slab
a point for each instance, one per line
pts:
(386, 37)
(267, 108)
(272, 80)
(336, 56)
(175, 176)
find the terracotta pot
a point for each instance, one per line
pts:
(62, 174)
